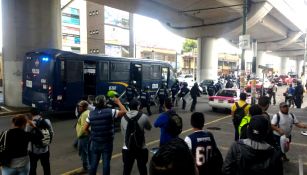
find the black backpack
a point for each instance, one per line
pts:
(4, 155)
(134, 137)
(174, 126)
(238, 114)
(42, 129)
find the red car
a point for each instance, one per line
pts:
(249, 86)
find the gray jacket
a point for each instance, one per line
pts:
(143, 122)
(32, 148)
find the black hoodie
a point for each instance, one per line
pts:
(253, 158)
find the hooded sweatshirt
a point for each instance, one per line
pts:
(253, 158)
(143, 122)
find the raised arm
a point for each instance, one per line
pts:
(122, 110)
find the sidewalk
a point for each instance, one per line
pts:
(7, 110)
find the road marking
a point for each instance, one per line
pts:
(6, 109)
(78, 170)
(300, 165)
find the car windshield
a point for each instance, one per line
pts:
(188, 76)
(227, 93)
(207, 82)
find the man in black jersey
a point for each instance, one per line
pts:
(207, 156)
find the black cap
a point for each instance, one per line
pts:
(258, 128)
(134, 104)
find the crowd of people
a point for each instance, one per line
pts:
(257, 147)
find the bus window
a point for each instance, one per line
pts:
(146, 72)
(104, 71)
(63, 71)
(164, 74)
(172, 75)
(120, 71)
(155, 72)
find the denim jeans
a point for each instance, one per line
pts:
(103, 151)
(83, 151)
(12, 171)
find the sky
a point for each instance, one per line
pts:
(148, 30)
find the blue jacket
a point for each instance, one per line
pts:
(162, 122)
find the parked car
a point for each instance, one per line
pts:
(205, 83)
(225, 98)
(278, 81)
(284, 78)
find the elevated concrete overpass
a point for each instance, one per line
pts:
(274, 23)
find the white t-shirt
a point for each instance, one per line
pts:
(285, 123)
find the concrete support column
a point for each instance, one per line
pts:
(131, 36)
(207, 60)
(27, 25)
(260, 60)
(284, 65)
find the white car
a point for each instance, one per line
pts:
(187, 78)
(225, 98)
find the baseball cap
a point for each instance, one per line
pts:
(258, 128)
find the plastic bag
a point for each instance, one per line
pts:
(284, 144)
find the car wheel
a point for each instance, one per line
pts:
(214, 109)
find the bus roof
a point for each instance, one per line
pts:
(59, 54)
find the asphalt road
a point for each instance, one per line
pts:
(65, 159)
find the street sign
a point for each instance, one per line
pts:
(244, 41)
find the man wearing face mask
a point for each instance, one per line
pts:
(282, 123)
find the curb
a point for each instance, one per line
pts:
(14, 112)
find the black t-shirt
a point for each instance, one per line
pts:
(17, 142)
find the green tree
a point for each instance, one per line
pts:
(189, 45)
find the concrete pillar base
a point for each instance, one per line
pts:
(26, 27)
